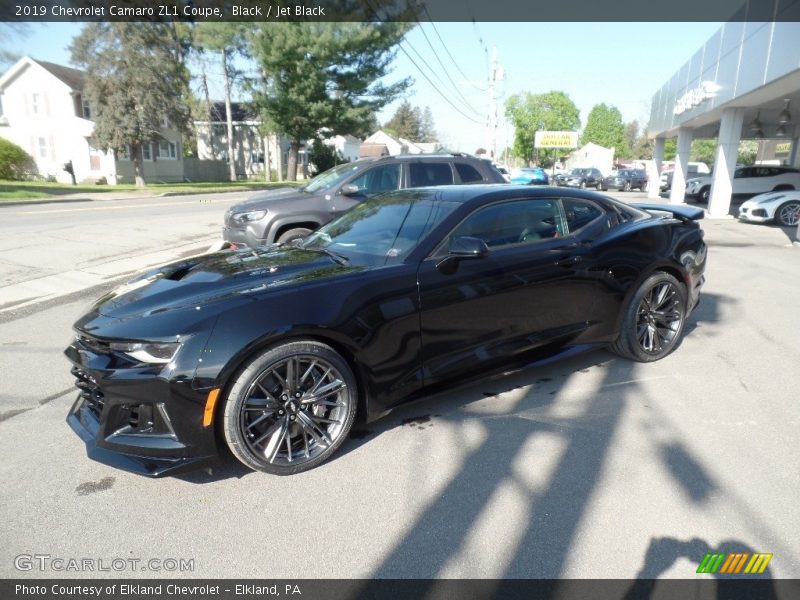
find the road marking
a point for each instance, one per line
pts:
(65, 210)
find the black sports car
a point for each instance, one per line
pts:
(273, 352)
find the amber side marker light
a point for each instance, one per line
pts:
(211, 403)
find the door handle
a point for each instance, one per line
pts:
(568, 262)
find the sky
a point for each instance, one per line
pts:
(621, 64)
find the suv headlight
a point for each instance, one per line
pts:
(147, 352)
(249, 217)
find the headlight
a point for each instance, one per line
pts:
(148, 352)
(249, 217)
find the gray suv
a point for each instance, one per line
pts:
(281, 215)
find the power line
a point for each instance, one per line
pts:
(447, 50)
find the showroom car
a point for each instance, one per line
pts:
(281, 215)
(530, 176)
(782, 208)
(625, 180)
(582, 178)
(748, 181)
(273, 352)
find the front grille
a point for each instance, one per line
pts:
(89, 391)
(227, 218)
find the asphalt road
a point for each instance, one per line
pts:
(591, 467)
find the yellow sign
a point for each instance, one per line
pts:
(783, 148)
(555, 139)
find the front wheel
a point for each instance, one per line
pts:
(290, 408)
(788, 214)
(627, 187)
(704, 195)
(653, 320)
(291, 234)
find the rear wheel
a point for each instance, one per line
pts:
(653, 320)
(788, 214)
(626, 187)
(704, 195)
(290, 408)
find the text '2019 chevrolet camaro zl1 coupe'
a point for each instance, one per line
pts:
(274, 351)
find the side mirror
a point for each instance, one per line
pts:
(350, 190)
(462, 248)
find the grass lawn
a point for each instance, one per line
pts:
(36, 190)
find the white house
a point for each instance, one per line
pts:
(42, 110)
(381, 143)
(348, 145)
(592, 155)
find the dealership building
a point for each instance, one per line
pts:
(744, 83)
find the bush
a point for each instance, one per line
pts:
(325, 157)
(15, 163)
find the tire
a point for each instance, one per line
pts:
(653, 319)
(290, 408)
(601, 187)
(583, 185)
(704, 195)
(626, 187)
(290, 234)
(788, 214)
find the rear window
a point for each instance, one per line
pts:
(427, 174)
(468, 173)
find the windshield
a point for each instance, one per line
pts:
(331, 177)
(578, 171)
(383, 229)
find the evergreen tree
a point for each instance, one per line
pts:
(135, 78)
(405, 122)
(427, 130)
(324, 76)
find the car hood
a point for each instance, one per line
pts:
(201, 281)
(267, 198)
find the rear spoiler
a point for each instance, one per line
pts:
(679, 211)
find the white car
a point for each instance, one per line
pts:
(750, 181)
(781, 207)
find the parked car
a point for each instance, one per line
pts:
(693, 169)
(781, 207)
(530, 176)
(582, 178)
(625, 180)
(281, 215)
(272, 352)
(749, 181)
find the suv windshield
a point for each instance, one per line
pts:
(331, 177)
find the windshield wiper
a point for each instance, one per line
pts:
(338, 258)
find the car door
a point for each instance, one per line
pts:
(376, 180)
(531, 289)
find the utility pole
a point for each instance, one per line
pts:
(495, 75)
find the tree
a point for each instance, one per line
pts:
(406, 122)
(135, 78)
(631, 136)
(15, 163)
(325, 156)
(324, 75)
(529, 113)
(227, 40)
(604, 127)
(427, 130)
(746, 155)
(703, 151)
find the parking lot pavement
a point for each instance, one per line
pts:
(590, 467)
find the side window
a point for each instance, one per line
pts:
(384, 178)
(468, 173)
(517, 222)
(580, 213)
(427, 174)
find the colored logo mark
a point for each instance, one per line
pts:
(734, 562)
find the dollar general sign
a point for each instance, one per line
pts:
(555, 139)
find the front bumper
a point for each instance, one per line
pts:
(136, 419)
(754, 214)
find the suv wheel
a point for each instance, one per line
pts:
(291, 234)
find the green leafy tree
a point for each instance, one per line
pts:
(325, 156)
(135, 77)
(604, 127)
(643, 147)
(631, 136)
(324, 76)
(703, 151)
(746, 155)
(529, 113)
(15, 163)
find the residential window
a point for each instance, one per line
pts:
(42, 147)
(35, 103)
(166, 150)
(164, 122)
(146, 155)
(87, 110)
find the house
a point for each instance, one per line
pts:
(43, 110)
(592, 155)
(348, 145)
(381, 143)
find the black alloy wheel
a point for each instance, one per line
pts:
(704, 194)
(653, 319)
(290, 408)
(788, 214)
(291, 234)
